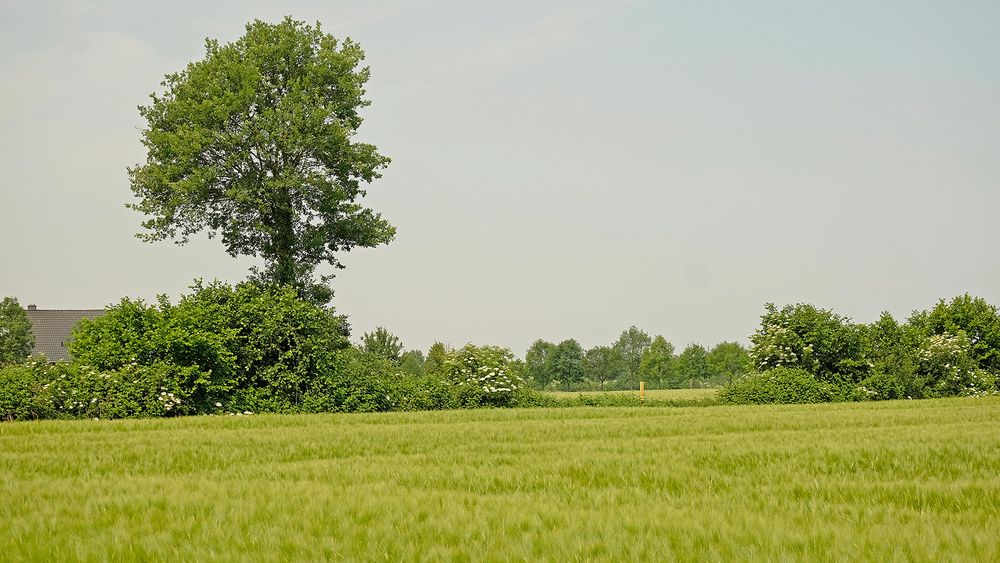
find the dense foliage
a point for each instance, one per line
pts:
(249, 347)
(949, 351)
(779, 385)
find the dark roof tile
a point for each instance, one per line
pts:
(53, 327)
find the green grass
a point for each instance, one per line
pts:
(917, 480)
(656, 394)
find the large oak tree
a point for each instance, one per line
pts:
(256, 143)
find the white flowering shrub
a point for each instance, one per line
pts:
(777, 346)
(973, 316)
(21, 396)
(482, 376)
(948, 369)
(36, 390)
(819, 341)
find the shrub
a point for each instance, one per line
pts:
(946, 367)
(527, 397)
(353, 381)
(881, 386)
(122, 336)
(21, 392)
(482, 376)
(424, 392)
(253, 347)
(973, 316)
(133, 391)
(779, 385)
(816, 340)
(36, 390)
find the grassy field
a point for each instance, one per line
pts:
(658, 394)
(907, 481)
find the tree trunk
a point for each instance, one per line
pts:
(284, 240)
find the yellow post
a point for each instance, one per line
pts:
(642, 390)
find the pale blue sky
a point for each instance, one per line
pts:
(560, 169)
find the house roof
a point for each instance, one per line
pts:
(53, 327)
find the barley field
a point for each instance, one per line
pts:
(893, 481)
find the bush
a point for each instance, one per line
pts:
(482, 376)
(972, 316)
(354, 381)
(131, 392)
(21, 392)
(946, 367)
(779, 385)
(252, 347)
(881, 386)
(36, 390)
(816, 340)
(424, 392)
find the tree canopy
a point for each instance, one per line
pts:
(255, 143)
(565, 362)
(657, 361)
(382, 343)
(728, 361)
(537, 363)
(16, 339)
(602, 364)
(630, 347)
(692, 364)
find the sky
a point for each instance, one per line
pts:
(559, 169)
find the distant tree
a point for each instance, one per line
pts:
(565, 363)
(692, 365)
(412, 362)
(630, 346)
(257, 142)
(16, 339)
(382, 343)
(602, 364)
(536, 363)
(436, 357)
(729, 361)
(657, 362)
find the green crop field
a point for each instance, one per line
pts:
(657, 394)
(908, 481)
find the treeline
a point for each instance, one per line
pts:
(634, 357)
(621, 365)
(255, 348)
